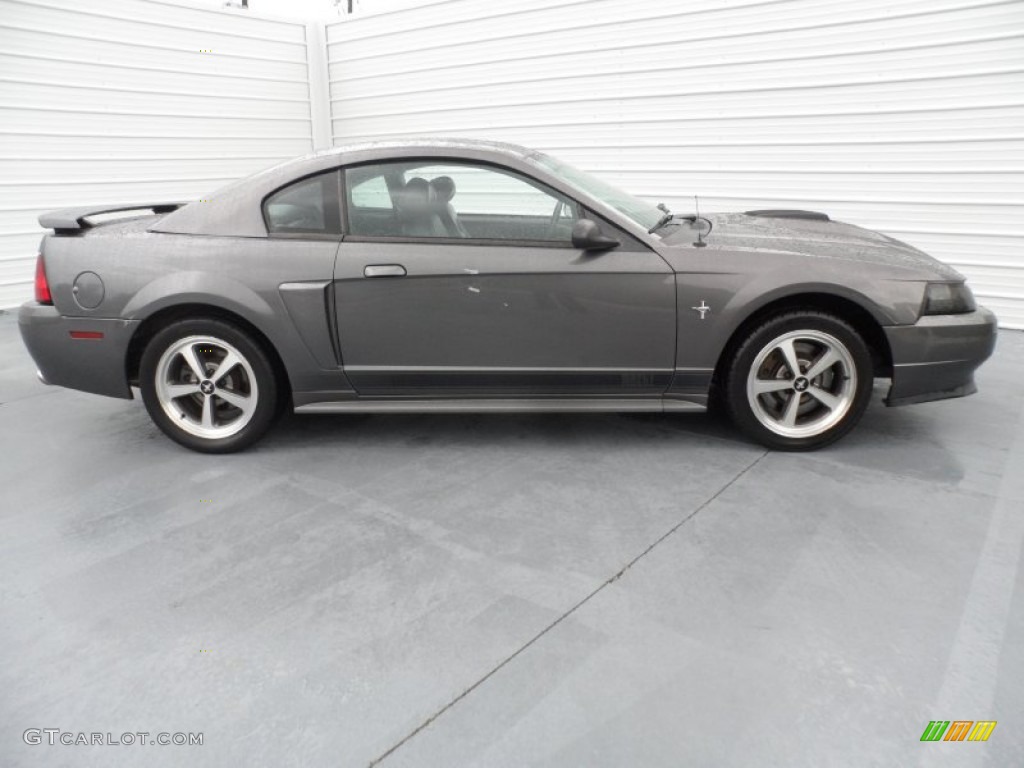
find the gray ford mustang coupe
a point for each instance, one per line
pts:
(453, 275)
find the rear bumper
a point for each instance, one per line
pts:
(94, 365)
(936, 357)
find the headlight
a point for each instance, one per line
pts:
(948, 299)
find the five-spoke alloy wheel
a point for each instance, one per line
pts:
(208, 385)
(799, 381)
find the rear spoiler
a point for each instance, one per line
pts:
(77, 218)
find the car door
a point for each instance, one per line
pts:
(459, 279)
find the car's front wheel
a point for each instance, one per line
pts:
(208, 385)
(799, 381)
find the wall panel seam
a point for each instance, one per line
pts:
(160, 24)
(151, 46)
(753, 33)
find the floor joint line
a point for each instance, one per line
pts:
(571, 610)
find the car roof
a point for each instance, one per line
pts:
(397, 149)
(411, 145)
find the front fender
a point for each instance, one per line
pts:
(760, 293)
(735, 297)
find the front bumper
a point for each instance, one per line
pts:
(936, 357)
(92, 365)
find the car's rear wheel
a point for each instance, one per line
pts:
(799, 381)
(208, 385)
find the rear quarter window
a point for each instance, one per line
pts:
(309, 206)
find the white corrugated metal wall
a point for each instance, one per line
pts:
(906, 116)
(137, 101)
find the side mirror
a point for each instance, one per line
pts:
(587, 236)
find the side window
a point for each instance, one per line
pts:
(309, 206)
(430, 199)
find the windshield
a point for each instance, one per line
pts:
(643, 213)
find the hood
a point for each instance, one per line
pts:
(816, 237)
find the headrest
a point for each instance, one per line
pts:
(417, 184)
(444, 188)
(415, 196)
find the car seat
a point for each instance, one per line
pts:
(443, 188)
(416, 206)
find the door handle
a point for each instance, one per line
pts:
(384, 270)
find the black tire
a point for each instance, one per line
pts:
(766, 417)
(226, 428)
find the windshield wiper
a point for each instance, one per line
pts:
(665, 219)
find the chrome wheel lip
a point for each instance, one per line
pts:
(840, 399)
(169, 392)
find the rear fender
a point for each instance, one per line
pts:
(266, 313)
(196, 287)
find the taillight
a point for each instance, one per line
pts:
(42, 287)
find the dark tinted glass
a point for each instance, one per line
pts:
(307, 206)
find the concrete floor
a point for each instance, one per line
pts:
(578, 590)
